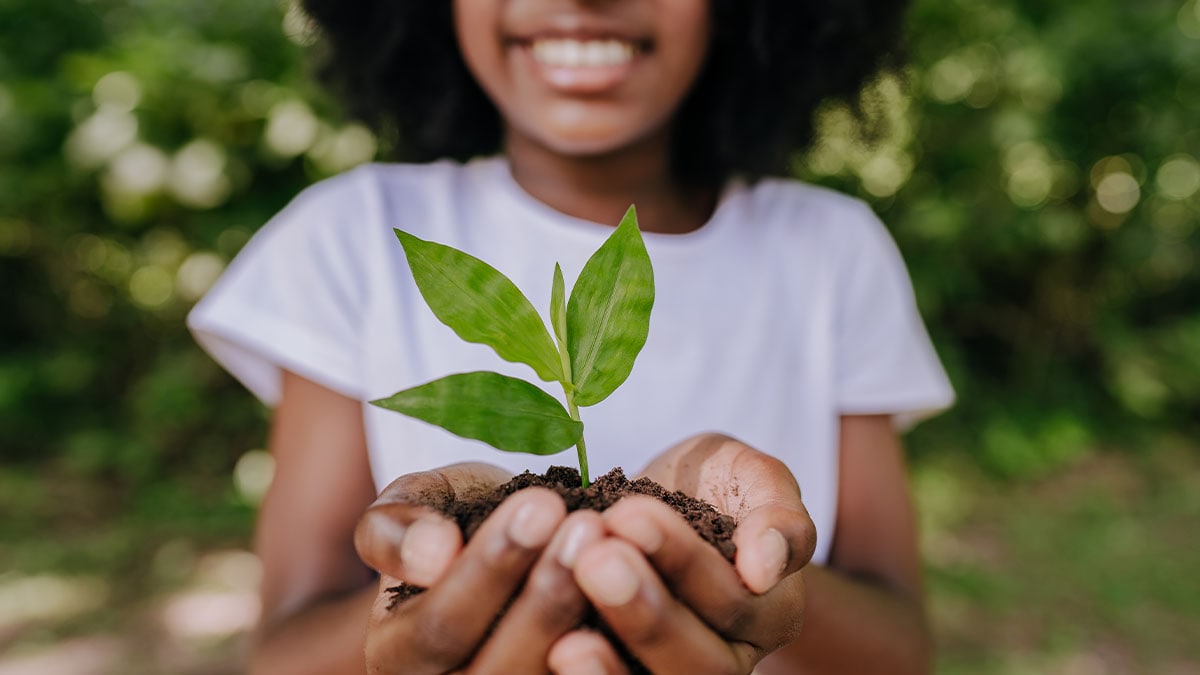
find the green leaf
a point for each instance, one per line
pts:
(608, 316)
(504, 412)
(481, 305)
(558, 305)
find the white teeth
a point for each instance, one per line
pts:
(566, 53)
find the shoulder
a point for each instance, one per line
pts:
(340, 225)
(413, 176)
(371, 199)
(791, 199)
(823, 217)
(365, 185)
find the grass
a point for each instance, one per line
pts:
(1091, 570)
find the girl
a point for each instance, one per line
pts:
(784, 318)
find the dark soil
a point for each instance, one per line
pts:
(715, 527)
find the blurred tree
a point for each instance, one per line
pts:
(140, 146)
(1040, 171)
(1037, 162)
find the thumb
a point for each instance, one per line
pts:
(410, 542)
(773, 541)
(405, 535)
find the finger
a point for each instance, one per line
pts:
(659, 631)
(435, 488)
(548, 606)
(773, 542)
(410, 543)
(758, 491)
(703, 579)
(404, 533)
(690, 565)
(585, 652)
(441, 628)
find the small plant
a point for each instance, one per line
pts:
(597, 335)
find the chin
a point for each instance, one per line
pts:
(586, 138)
(583, 147)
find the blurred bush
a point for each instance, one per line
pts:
(1040, 171)
(141, 143)
(1038, 164)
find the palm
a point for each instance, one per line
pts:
(728, 474)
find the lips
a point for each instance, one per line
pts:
(582, 53)
(581, 64)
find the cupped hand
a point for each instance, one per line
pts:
(518, 563)
(670, 597)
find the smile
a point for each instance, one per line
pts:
(586, 65)
(572, 53)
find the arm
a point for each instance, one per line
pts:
(316, 593)
(865, 612)
(323, 612)
(684, 609)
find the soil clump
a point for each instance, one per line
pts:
(713, 526)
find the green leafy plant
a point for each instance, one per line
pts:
(597, 335)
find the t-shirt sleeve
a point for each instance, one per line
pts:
(293, 298)
(885, 362)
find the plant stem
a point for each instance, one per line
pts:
(581, 446)
(569, 392)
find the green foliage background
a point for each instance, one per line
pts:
(1037, 163)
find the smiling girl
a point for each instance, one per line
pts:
(784, 319)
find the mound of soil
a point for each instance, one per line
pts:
(713, 526)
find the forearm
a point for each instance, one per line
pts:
(852, 626)
(327, 638)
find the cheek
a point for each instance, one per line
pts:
(476, 27)
(685, 46)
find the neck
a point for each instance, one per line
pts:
(600, 188)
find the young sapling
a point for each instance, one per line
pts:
(597, 335)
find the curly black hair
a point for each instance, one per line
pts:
(397, 65)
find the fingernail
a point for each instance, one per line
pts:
(774, 550)
(424, 550)
(532, 527)
(611, 582)
(573, 541)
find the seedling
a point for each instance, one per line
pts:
(597, 335)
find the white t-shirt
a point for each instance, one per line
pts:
(789, 308)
